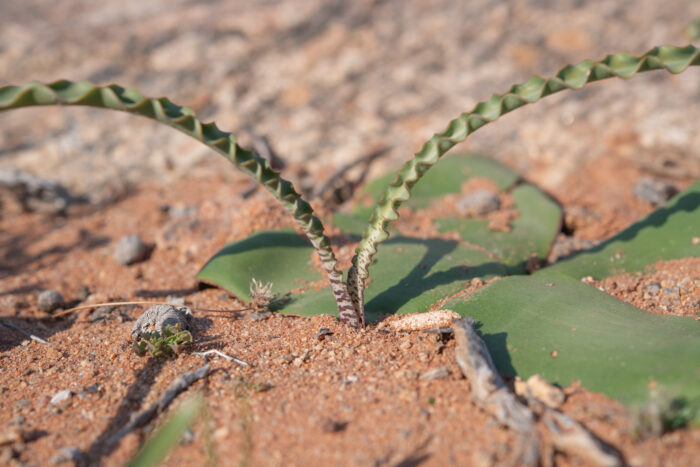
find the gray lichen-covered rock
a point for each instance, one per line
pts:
(158, 317)
(130, 249)
(478, 203)
(49, 300)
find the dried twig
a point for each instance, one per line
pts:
(223, 355)
(25, 333)
(490, 393)
(178, 386)
(488, 389)
(570, 437)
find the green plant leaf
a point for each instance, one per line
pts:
(169, 434)
(622, 65)
(608, 345)
(665, 234)
(410, 275)
(532, 233)
(183, 119)
(444, 179)
(281, 257)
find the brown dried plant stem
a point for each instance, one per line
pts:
(491, 394)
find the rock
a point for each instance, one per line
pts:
(33, 194)
(61, 396)
(437, 373)
(672, 292)
(156, 318)
(654, 190)
(538, 388)
(322, 333)
(130, 249)
(69, 454)
(478, 203)
(652, 289)
(94, 388)
(49, 300)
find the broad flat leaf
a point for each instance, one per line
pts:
(281, 257)
(531, 233)
(444, 178)
(665, 234)
(408, 277)
(612, 347)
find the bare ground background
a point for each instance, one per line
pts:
(330, 81)
(327, 83)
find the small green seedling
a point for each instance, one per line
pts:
(661, 414)
(162, 345)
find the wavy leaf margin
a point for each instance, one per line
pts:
(621, 65)
(183, 119)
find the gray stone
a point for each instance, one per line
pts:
(158, 317)
(49, 300)
(654, 190)
(69, 454)
(130, 249)
(479, 203)
(61, 396)
(33, 194)
(652, 289)
(671, 292)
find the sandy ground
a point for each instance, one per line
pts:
(326, 83)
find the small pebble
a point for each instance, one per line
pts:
(130, 249)
(652, 289)
(94, 388)
(672, 292)
(479, 203)
(61, 396)
(654, 190)
(322, 333)
(287, 358)
(538, 388)
(49, 300)
(69, 454)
